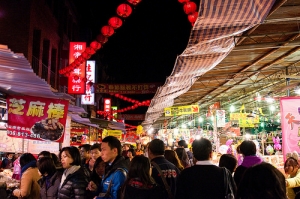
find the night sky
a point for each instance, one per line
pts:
(145, 47)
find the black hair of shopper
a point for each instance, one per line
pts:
(113, 142)
(45, 154)
(293, 162)
(46, 165)
(26, 158)
(202, 149)
(74, 153)
(139, 168)
(182, 143)
(96, 146)
(248, 148)
(132, 151)
(228, 161)
(56, 160)
(262, 181)
(87, 147)
(157, 147)
(182, 155)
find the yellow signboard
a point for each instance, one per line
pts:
(244, 119)
(116, 133)
(181, 110)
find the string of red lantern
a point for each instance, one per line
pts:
(190, 8)
(123, 10)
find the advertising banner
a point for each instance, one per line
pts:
(181, 110)
(76, 85)
(116, 133)
(142, 88)
(220, 118)
(37, 118)
(137, 117)
(131, 137)
(290, 124)
(89, 97)
(244, 119)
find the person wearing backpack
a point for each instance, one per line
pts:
(115, 171)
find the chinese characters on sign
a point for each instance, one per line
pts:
(127, 88)
(76, 85)
(181, 110)
(244, 121)
(290, 124)
(36, 118)
(89, 96)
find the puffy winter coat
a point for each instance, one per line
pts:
(74, 186)
(116, 174)
(52, 190)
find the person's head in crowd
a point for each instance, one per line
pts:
(172, 157)
(262, 181)
(44, 154)
(110, 149)
(291, 166)
(84, 150)
(182, 155)
(95, 151)
(99, 167)
(140, 167)
(228, 161)
(56, 160)
(46, 166)
(69, 156)
(202, 149)
(125, 147)
(248, 148)
(27, 158)
(182, 144)
(131, 153)
(138, 146)
(10, 155)
(156, 148)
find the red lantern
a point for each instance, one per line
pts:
(115, 22)
(183, 1)
(90, 51)
(134, 2)
(189, 8)
(193, 17)
(85, 55)
(117, 95)
(100, 38)
(95, 45)
(77, 62)
(107, 31)
(124, 10)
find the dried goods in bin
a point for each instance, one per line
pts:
(48, 129)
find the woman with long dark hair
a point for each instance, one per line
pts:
(75, 178)
(139, 183)
(29, 187)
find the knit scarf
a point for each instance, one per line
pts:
(26, 166)
(251, 160)
(67, 172)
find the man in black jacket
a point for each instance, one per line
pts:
(204, 179)
(115, 171)
(156, 151)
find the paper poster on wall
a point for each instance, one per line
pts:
(9, 144)
(290, 124)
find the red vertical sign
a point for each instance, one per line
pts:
(76, 85)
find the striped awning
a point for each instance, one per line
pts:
(212, 39)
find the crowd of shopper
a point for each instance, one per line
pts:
(110, 170)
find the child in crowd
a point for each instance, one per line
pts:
(291, 168)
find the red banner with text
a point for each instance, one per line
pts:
(76, 83)
(37, 118)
